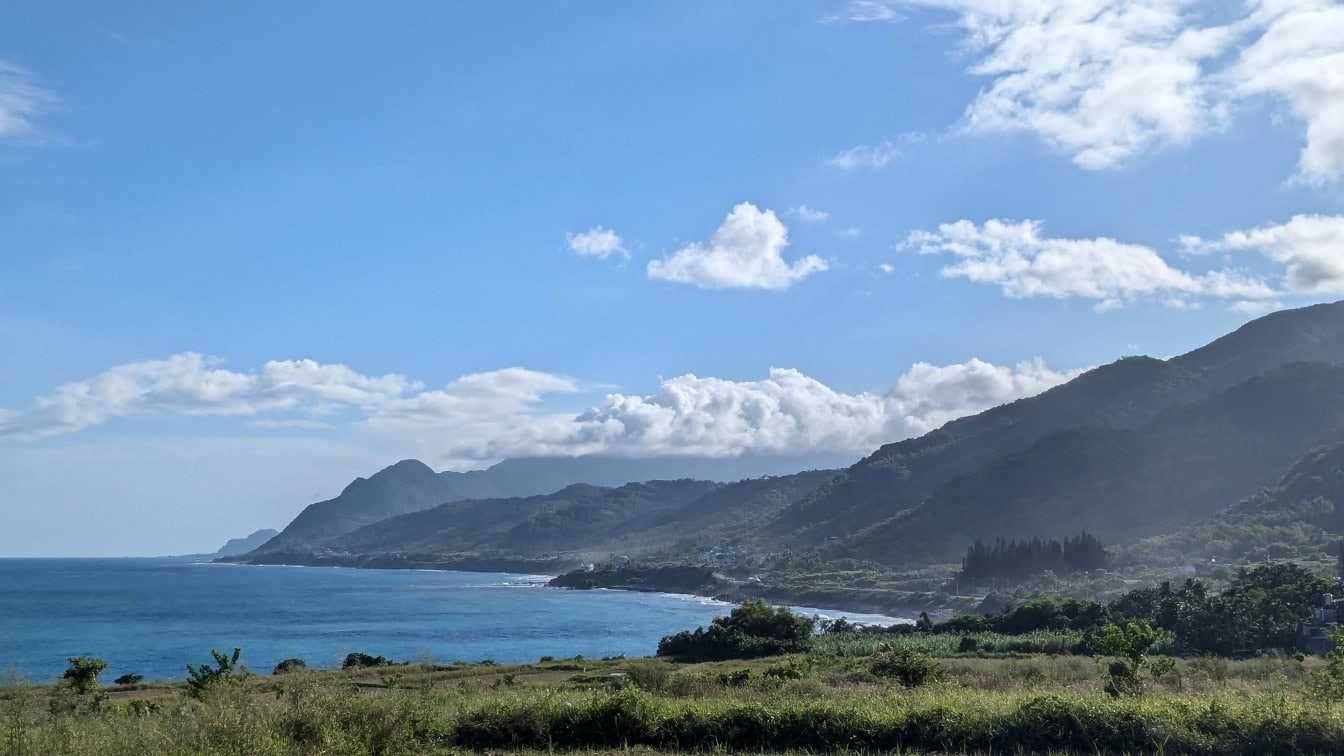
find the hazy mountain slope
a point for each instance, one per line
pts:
(237, 546)
(1125, 394)
(1301, 516)
(637, 517)
(1122, 484)
(407, 486)
(901, 475)
(574, 517)
(411, 486)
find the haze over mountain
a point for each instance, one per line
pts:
(237, 546)
(411, 486)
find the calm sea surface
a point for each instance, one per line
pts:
(152, 616)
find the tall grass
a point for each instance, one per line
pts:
(982, 705)
(945, 644)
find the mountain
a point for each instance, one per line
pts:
(1126, 394)
(1125, 483)
(587, 521)
(411, 486)
(239, 546)
(1301, 516)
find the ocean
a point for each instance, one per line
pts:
(153, 616)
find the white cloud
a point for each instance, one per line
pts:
(1300, 58)
(811, 215)
(597, 242)
(864, 11)
(1023, 263)
(1105, 80)
(789, 412)
(853, 232)
(22, 101)
(1100, 80)
(745, 252)
(492, 415)
(1252, 307)
(1311, 248)
(190, 384)
(873, 157)
(887, 268)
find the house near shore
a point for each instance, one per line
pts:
(1323, 618)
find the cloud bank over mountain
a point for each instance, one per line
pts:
(503, 413)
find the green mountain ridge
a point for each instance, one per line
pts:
(1123, 484)
(1128, 393)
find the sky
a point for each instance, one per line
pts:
(249, 251)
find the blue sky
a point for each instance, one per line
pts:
(251, 251)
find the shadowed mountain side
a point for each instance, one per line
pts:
(1125, 394)
(638, 517)
(411, 486)
(1122, 484)
(1302, 515)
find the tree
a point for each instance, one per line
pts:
(201, 680)
(753, 629)
(1130, 645)
(82, 674)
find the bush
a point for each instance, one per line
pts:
(129, 679)
(906, 666)
(753, 629)
(201, 680)
(1130, 644)
(356, 660)
(293, 664)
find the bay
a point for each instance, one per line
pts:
(153, 616)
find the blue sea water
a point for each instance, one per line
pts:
(153, 616)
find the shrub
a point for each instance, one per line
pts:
(201, 680)
(79, 688)
(292, 664)
(1130, 644)
(907, 666)
(129, 679)
(751, 630)
(82, 674)
(356, 660)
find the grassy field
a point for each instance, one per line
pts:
(818, 703)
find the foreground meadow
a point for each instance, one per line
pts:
(814, 703)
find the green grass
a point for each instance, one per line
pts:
(817, 703)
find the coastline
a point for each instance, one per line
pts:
(674, 580)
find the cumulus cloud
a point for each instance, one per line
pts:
(1300, 59)
(745, 252)
(597, 242)
(1023, 263)
(1310, 247)
(809, 214)
(787, 412)
(497, 414)
(22, 101)
(1105, 80)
